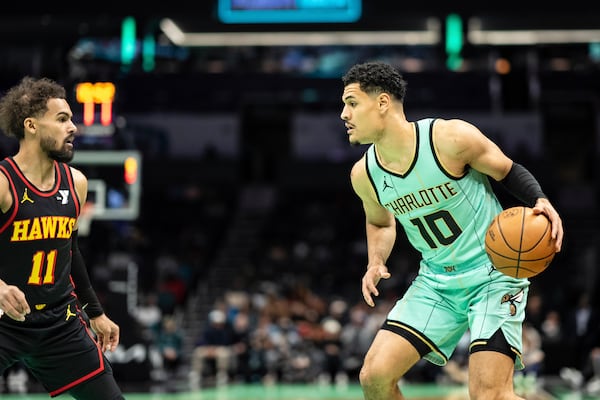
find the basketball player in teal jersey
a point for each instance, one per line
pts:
(43, 277)
(432, 176)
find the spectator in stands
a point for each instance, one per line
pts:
(215, 346)
(242, 326)
(170, 345)
(592, 386)
(148, 315)
(355, 339)
(533, 354)
(331, 345)
(583, 324)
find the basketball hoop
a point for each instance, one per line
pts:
(85, 218)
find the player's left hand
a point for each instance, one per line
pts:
(107, 332)
(370, 280)
(543, 206)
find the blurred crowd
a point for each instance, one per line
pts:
(294, 312)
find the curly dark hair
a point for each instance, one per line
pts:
(377, 77)
(27, 99)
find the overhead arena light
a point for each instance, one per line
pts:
(431, 35)
(479, 34)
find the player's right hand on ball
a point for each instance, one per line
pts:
(370, 280)
(13, 303)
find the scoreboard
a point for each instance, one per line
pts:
(289, 11)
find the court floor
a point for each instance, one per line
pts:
(276, 392)
(305, 392)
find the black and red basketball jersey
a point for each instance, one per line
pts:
(35, 236)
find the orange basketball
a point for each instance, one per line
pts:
(519, 243)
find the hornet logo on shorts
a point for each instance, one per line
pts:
(512, 299)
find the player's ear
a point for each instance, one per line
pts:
(29, 124)
(383, 101)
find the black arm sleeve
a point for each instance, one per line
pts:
(523, 185)
(83, 287)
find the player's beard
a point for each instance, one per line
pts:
(353, 142)
(61, 155)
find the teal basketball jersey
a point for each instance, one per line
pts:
(445, 218)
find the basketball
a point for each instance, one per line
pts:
(519, 243)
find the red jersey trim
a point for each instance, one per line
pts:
(29, 185)
(69, 175)
(15, 205)
(84, 378)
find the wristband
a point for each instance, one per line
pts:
(523, 185)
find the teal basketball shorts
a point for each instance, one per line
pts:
(440, 306)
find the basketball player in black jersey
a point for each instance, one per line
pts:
(43, 277)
